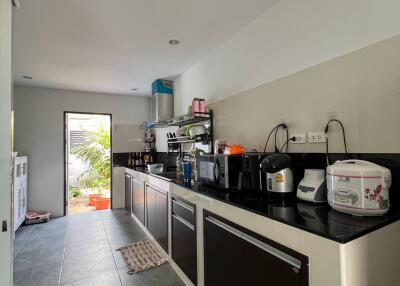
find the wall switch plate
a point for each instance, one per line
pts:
(316, 137)
(300, 138)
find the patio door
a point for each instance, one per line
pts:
(88, 162)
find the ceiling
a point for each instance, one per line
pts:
(112, 46)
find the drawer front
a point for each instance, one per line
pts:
(184, 250)
(184, 210)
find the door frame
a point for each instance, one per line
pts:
(6, 209)
(65, 157)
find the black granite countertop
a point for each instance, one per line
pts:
(319, 219)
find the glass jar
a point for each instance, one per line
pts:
(195, 106)
(202, 106)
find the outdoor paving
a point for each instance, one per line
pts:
(79, 250)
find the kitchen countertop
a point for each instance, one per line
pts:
(319, 219)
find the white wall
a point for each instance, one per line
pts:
(289, 38)
(5, 141)
(39, 134)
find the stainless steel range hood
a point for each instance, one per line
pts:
(162, 101)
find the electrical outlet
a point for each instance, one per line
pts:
(316, 137)
(300, 138)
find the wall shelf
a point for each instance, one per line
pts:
(189, 119)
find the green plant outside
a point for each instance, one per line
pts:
(74, 192)
(95, 152)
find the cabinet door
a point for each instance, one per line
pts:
(128, 193)
(134, 196)
(162, 219)
(184, 250)
(258, 262)
(151, 210)
(223, 264)
(138, 197)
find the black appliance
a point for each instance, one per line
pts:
(251, 175)
(220, 169)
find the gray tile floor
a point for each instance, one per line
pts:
(80, 250)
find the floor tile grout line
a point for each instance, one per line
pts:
(65, 249)
(109, 244)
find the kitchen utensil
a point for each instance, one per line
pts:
(155, 168)
(196, 130)
(358, 187)
(279, 176)
(312, 187)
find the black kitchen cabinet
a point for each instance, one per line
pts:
(157, 215)
(237, 256)
(138, 199)
(184, 247)
(128, 192)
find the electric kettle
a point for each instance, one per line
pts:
(279, 176)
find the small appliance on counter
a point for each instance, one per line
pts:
(221, 170)
(279, 176)
(358, 187)
(251, 176)
(155, 168)
(312, 187)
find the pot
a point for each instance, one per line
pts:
(91, 199)
(101, 203)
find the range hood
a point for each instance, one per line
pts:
(162, 101)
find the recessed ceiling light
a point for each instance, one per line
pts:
(134, 88)
(174, 42)
(27, 77)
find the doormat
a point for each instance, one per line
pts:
(141, 256)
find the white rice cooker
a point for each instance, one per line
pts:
(358, 187)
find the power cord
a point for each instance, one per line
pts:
(327, 138)
(284, 126)
(286, 144)
(270, 133)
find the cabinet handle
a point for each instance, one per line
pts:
(272, 250)
(182, 204)
(189, 225)
(225, 226)
(267, 248)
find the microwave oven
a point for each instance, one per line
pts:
(220, 169)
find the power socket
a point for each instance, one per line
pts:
(300, 138)
(316, 137)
